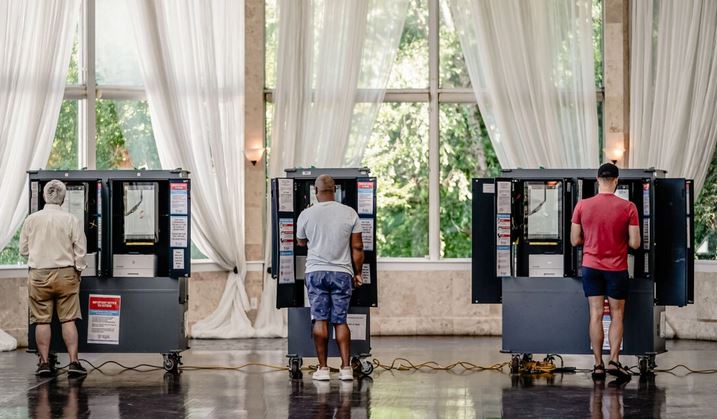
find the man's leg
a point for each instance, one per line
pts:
(321, 341)
(43, 336)
(343, 340)
(596, 331)
(617, 311)
(69, 335)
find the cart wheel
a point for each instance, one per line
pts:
(366, 367)
(295, 368)
(515, 364)
(172, 361)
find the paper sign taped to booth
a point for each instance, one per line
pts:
(365, 198)
(286, 195)
(177, 259)
(366, 274)
(367, 233)
(178, 231)
(103, 322)
(178, 195)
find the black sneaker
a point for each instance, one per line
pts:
(43, 369)
(75, 369)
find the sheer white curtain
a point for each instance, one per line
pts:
(331, 55)
(673, 86)
(531, 67)
(192, 59)
(35, 49)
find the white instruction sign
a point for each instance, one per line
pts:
(286, 195)
(365, 198)
(502, 267)
(357, 326)
(503, 198)
(103, 323)
(503, 230)
(489, 188)
(367, 233)
(178, 231)
(366, 274)
(178, 259)
(286, 235)
(286, 268)
(178, 198)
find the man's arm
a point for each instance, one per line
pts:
(301, 229)
(301, 242)
(576, 234)
(357, 257)
(79, 245)
(634, 229)
(24, 241)
(635, 239)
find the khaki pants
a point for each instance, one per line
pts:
(54, 288)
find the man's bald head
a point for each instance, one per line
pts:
(325, 188)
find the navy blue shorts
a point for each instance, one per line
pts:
(597, 282)
(329, 295)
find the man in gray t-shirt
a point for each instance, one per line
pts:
(333, 264)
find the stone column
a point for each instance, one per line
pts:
(255, 184)
(616, 68)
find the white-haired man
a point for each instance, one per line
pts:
(54, 243)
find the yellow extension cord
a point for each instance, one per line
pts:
(398, 364)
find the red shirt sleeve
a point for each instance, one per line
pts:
(633, 215)
(577, 213)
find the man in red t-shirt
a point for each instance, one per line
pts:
(605, 225)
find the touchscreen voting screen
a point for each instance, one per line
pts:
(75, 202)
(544, 213)
(140, 212)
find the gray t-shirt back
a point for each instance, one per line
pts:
(328, 227)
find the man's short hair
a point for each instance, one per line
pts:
(54, 192)
(608, 171)
(325, 183)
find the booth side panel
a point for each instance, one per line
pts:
(671, 242)
(367, 294)
(289, 291)
(486, 286)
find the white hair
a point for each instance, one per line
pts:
(54, 192)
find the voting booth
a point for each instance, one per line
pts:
(523, 259)
(133, 294)
(289, 196)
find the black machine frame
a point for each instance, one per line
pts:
(550, 314)
(290, 280)
(153, 309)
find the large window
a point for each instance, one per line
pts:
(429, 139)
(104, 121)
(706, 216)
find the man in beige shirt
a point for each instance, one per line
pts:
(54, 242)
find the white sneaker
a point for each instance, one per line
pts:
(346, 374)
(322, 374)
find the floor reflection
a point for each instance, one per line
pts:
(321, 399)
(547, 395)
(72, 398)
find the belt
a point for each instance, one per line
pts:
(45, 269)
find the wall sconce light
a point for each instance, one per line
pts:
(254, 154)
(614, 153)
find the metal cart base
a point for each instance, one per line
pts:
(301, 342)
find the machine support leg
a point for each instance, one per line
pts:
(295, 363)
(172, 361)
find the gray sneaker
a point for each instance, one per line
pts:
(43, 369)
(76, 370)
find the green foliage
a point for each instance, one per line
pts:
(397, 155)
(706, 213)
(466, 152)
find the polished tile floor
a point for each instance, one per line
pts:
(260, 393)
